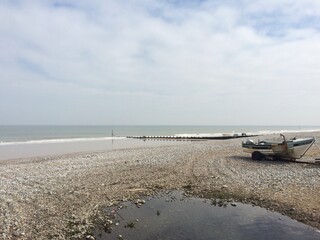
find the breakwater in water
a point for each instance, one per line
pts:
(217, 136)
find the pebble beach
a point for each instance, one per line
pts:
(60, 197)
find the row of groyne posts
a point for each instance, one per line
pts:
(193, 137)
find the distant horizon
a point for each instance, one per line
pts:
(48, 133)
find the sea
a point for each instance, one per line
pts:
(35, 141)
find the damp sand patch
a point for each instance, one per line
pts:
(175, 215)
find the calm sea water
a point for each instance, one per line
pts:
(33, 133)
(34, 141)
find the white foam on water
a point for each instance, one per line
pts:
(262, 132)
(70, 140)
(199, 135)
(45, 141)
(267, 132)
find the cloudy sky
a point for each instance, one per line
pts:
(160, 62)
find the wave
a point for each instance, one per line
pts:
(265, 132)
(68, 140)
(262, 132)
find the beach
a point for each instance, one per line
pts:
(61, 196)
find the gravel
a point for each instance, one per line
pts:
(60, 197)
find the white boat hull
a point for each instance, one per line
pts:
(293, 149)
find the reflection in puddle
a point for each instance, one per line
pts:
(174, 216)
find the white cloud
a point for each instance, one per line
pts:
(213, 57)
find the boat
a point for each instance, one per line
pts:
(292, 149)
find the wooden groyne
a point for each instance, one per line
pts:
(196, 137)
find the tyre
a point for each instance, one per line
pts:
(256, 156)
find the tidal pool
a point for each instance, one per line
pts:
(175, 216)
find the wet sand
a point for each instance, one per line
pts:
(61, 196)
(45, 148)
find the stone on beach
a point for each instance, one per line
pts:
(58, 197)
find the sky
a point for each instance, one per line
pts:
(160, 62)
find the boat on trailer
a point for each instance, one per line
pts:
(286, 149)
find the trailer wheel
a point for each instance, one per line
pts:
(256, 156)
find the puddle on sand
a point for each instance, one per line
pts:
(174, 216)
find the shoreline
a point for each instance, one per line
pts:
(31, 150)
(59, 197)
(37, 140)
